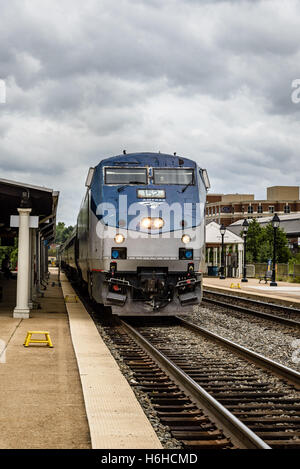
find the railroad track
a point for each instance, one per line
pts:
(207, 399)
(187, 422)
(207, 402)
(242, 305)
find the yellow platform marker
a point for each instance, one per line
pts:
(71, 299)
(29, 340)
(238, 285)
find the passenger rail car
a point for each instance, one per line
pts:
(139, 243)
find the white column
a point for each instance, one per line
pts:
(46, 250)
(42, 260)
(30, 270)
(240, 262)
(31, 291)
(226, 249)
(22, 310)
(33, 264)
(38, 261)
(215, 257)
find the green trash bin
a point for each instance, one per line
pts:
(212, 270)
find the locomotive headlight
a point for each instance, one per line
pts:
(186, 239)
(119, 238)
(158, 223)
(146, 222)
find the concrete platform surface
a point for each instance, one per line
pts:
(41, 397)
(284, 293)
(116, 419)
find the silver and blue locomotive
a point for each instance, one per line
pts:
(139, 242)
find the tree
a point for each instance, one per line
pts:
(260, 241)
(254, 236)
(11, 251)
(62, 232)
(283, 253)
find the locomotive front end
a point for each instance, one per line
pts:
(149, 236)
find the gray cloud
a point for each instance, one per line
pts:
(210, 80)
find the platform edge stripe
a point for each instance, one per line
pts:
(141, 434)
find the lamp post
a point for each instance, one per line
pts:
(275, 224)
(222, 231)
(245, 226)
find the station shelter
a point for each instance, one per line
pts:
(233, 251)
(28, 213)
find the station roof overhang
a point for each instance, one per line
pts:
(213, 236)
(289, 223)
(43, 202)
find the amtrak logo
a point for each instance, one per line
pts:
(151, 204)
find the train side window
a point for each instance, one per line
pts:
(178, 176)
(125, 176)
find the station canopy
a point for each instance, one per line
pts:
(43, 202)
(290, 223)
(213, 235)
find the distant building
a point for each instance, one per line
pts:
(228, 208)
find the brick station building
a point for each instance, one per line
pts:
(228, 208)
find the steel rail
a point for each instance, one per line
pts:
(277, 306)
(284, 372)
(230, 424)
(242, 309)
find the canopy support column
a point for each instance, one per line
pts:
(240, 259)
(32, 262)
(215, 255)
(22, 309)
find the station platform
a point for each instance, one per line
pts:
(285, 293)
(70, 396)
(40, 390)
(115, 417)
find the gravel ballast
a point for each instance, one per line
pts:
(273, 340)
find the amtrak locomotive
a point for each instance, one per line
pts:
(140, 236)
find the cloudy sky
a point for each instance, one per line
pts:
(211, 80)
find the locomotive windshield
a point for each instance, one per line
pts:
(125, 176)
(174, 176)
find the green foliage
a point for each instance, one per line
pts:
(62, 232)
(260, 241)
(254, 236)
(283, 253)
(11, 251)
(52, 252)
(295, 259)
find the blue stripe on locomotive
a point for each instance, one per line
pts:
(105, 193)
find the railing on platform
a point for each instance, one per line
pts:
(286, 272)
